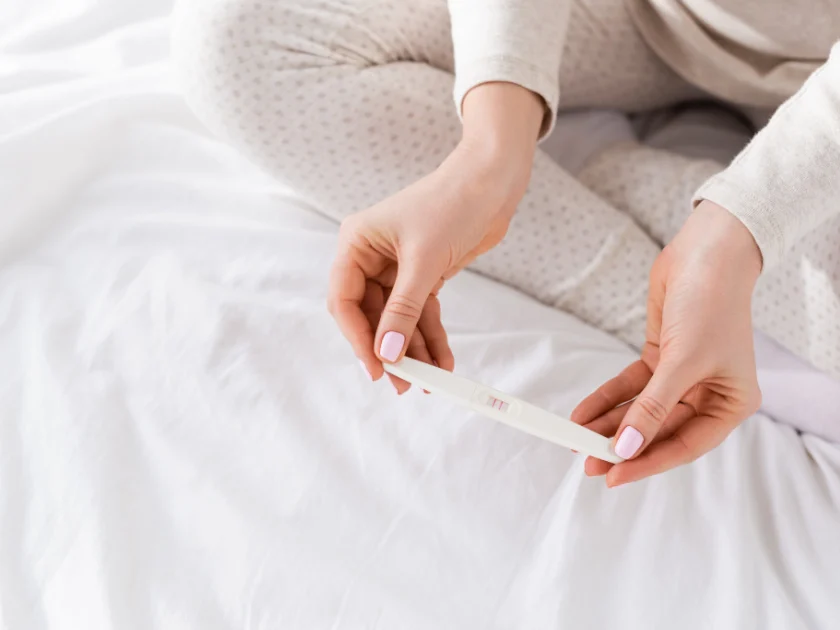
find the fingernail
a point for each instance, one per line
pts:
(628, 443)
(364, 368)
(391, 346)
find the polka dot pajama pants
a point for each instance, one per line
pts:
(349, 101)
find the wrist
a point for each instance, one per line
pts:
(499, 141)
(502, 120)
(725, 239)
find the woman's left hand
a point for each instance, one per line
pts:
(696, 379)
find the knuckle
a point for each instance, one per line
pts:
(350, 227)
(432, 306)
(603, 393)
(416, 339)
(652, 410)
(404, 307)
(692, 453)
(650, 357)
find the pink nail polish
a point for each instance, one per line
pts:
(364, 368)
(628, 443)
(392, 345)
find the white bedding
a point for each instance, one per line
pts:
(186, 441)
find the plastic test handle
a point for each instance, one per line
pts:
(505, 408)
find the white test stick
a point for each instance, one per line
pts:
(504, 408)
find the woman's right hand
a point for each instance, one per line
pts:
(394, 257)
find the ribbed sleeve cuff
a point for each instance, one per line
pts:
(510, 70)
(753, 210)
(513, 41)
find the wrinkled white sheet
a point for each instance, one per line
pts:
(186, 442)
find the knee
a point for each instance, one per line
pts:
(230, 54)
(204, 40)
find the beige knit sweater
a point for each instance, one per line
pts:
(754, 53)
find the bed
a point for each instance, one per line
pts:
(187, 442)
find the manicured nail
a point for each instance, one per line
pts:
(391, 346)
(364, 368)
(628, 443)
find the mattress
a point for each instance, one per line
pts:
(187, 442)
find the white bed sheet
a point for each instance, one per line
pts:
(186, 441)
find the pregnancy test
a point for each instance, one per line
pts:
(504, 408)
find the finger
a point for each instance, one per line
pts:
(693, 439)
(607, 425)
(656, 296)
(375, 314)
(613, 393)
(633, 379)
(372, 304)
(418, 349)
(415, 281)
(437, 342)
(649, 411)
(681, 414)
(346, 292)
(594, 467)
(399, 385)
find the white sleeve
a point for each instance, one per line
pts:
(786, 181)
(517, 41)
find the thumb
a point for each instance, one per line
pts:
(651, 408)
(415, 282)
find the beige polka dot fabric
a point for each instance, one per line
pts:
(349, 101)
(797, 303)
(651, 185)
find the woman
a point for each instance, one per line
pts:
(350, 102)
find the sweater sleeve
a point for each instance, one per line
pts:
(786, 181)
(517, 41)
